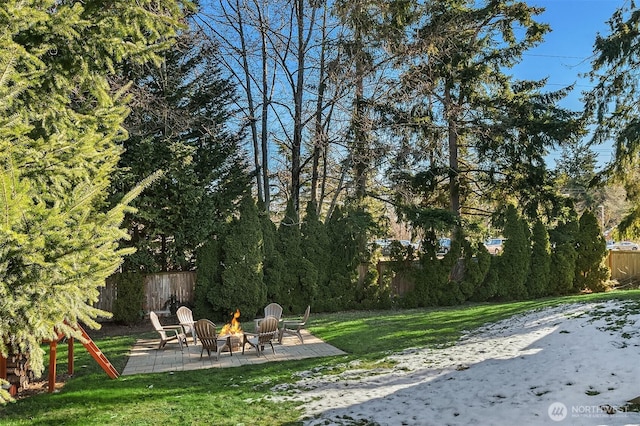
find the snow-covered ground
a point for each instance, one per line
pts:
(574, 364)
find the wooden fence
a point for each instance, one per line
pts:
(400, 283)
(624, 265)
(158, 290)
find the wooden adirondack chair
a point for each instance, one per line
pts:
(294, 326)
(168, 333)
(265, 333)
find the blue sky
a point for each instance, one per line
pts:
(568, 48)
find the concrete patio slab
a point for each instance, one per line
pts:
(146, 358)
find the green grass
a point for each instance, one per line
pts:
(236, 396)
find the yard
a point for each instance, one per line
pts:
(252, 395)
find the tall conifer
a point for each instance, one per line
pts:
(60, 124)
(299, 277)
(591, 249)
(540, 271)
(563, 259)
(316, 248)
(180, 123)
(242, 286)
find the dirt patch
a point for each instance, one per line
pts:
(41, 386)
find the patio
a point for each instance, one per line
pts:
(146, 358)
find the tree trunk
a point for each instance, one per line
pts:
(360, 155)
(264, 136)
(18, 372)
(454, 170)
(163, 253)
(320, 135)
(297, 117)
(251, 106)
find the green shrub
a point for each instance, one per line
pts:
(563, 266)
(540, 270)
(273, 265)
(298, 284)
(316, 248)
(590, 251)
(563, 258)
(347, 229)
(476, 267)
(127, 308)
(242, 286)
(208, 278)
(488, 288)
(513, 263)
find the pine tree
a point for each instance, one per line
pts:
(468, 131)
(60, 124)
(180, 124)
(612, 103)
(369, 28)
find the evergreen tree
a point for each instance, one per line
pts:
(540, 269)
(446, 289)
(60, 125)
(340, 294)
(273, 261)
(575, 171)
(563, 257)
(210, 259)
(316, 248)
(468, 131)
(513, 263)
(563, 264)
(591, 249)
(476, 268)
(434, 283)
(349, 228)
(127, 308)
(299, 277)
(612, 104)
(369, 28)
(180, 124)
(242, 285)
(489, 287)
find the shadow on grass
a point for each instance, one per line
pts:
(237, 395)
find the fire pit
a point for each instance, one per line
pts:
(229, 342)
(231, 335)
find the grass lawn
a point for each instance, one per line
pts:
(235, 396)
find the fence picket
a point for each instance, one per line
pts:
(158, 289)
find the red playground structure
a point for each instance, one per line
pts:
(91, 347)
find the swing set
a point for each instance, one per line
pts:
(91, 347)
